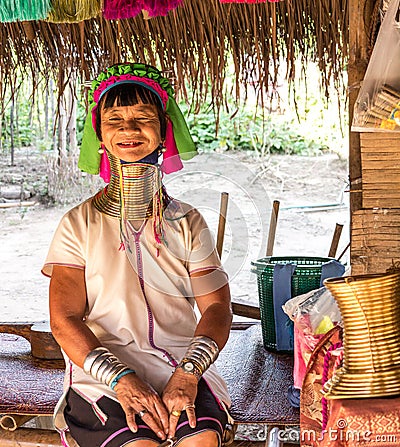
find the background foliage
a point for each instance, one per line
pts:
(299, 122)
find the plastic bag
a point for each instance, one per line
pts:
(377, 107)
(313, 315)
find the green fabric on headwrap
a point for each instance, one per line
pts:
(89, 157)
(183, 139)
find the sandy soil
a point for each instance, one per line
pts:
(310, 191)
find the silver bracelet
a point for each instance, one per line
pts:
(202, 351)
(103, 366)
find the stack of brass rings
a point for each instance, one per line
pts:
(132, 190)
(370, 309)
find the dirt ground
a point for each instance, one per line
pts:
(311, 191)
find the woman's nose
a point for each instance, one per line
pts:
(130, 125)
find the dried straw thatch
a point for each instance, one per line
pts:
(194, 41)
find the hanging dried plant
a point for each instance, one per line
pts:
(194, 42)
(12, 10)
(71, 11)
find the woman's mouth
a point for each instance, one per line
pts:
(129, 144)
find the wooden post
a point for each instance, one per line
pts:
(222, 220)
(272, 227)
(335, 240)
(360, 11)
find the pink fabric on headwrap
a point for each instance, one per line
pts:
(128, 77)
(153, 85)
(105, 168)
(171, 160)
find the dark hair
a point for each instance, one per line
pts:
(130, 95)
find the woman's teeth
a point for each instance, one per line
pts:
(129, 144)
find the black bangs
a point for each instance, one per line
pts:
(129, 95)
(123, 95)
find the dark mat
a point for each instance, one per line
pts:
(27, 385)
(258, 380)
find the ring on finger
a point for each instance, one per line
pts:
(142, 412)
(189, 406)
(176, 413)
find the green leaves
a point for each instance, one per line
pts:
(247, 131)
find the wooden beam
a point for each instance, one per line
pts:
(360, 12)
(245, 310)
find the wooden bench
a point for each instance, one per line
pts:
(257, 380)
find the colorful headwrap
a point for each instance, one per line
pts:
(178, 141)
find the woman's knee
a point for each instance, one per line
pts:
(142, 443)
(204, 439)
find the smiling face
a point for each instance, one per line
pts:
(131, 133)
(130, 122)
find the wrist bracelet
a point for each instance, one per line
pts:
(201, 353)
(121, 374)
(103, 366)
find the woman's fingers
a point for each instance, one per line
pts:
(152, 421)
(138, 398)
(179, 395)
(174, 416)
(191, 414)
(162, 413)
(131, 420)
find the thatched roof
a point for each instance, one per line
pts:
(194, 41)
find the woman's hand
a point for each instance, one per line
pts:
(179, 395)
(137, 396)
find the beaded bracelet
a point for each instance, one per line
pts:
(114, 382)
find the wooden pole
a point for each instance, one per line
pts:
(246, 310)
(222, 220)
(335, 240)
(360, 12)
(343, 252)
(272, 227)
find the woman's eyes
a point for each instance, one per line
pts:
(140, 119)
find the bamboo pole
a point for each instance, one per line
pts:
(272, 227)
(222, 220)
(335, 240)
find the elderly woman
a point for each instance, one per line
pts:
(128, 267)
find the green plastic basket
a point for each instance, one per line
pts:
(306, 277)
